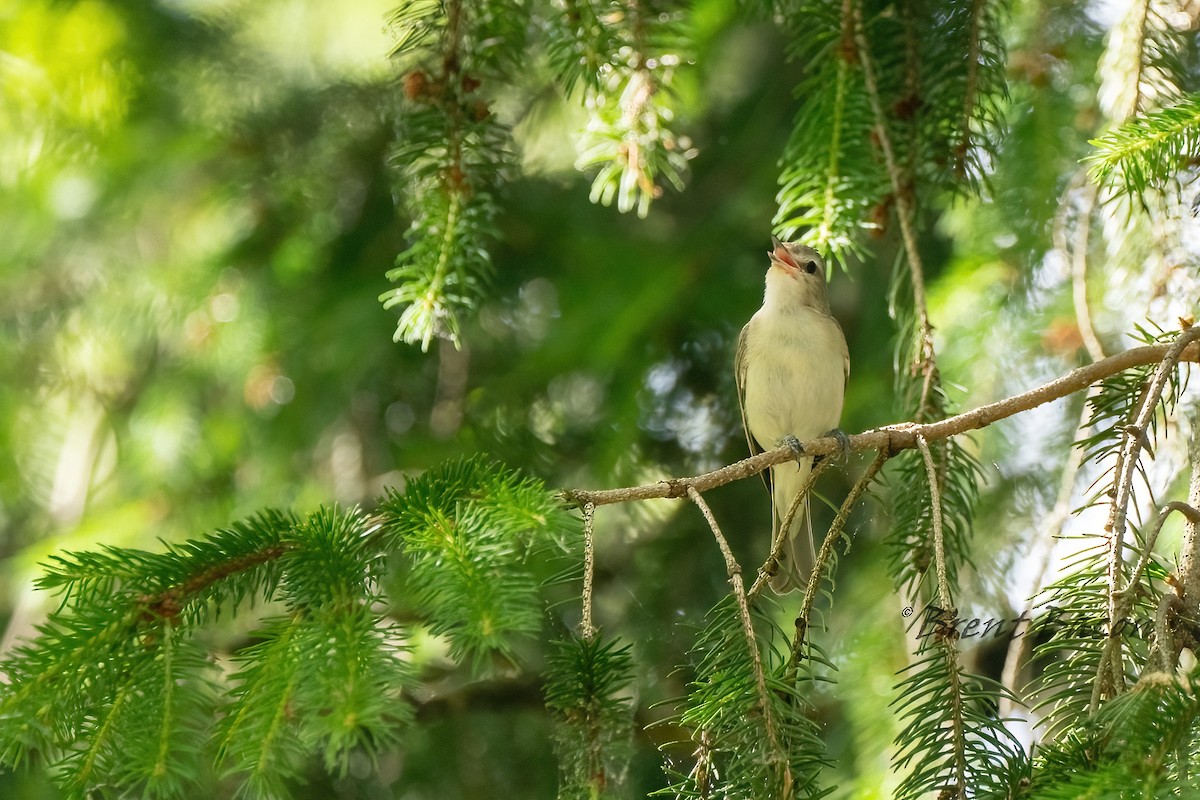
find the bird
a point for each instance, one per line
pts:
(791, 368)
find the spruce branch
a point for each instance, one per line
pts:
(830, 187)
(1149, 150)
(945, 601)
(896, 437)
(825, 555)
(630, 137)
(586, 628)
(734, 570)
(771, 565)
(586, 691)
(1109, 676)
(452, 156)
(902, 191)
(970, 95)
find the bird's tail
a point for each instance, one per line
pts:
(799, 554)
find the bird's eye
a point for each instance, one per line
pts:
(810, 267)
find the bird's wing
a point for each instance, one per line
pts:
(739, 377)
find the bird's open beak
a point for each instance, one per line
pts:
(780, 256)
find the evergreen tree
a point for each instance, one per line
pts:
(1024, 173)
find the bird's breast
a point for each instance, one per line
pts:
(795, 376)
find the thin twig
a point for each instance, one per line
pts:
(1079, 265)
(1020, 647)
(1189, 551)
(826, 553)
(771, 565)
(902, 190)
(1109, 674)
(1165, 650)
(894, 437)
(739, 592)
(1193, 516)
(948, 636)
(939, 541)
(586, 629)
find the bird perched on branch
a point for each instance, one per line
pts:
(791, 369)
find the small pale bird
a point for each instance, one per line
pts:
(791, 369)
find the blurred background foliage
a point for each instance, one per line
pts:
(200, 201)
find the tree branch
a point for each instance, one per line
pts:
(925, 361)
(739, 592)
(771, 565)
(1109, 675)
(586, 629)
(891, 437)
(939, 542)
(826, 552)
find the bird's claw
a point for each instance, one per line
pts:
(793, 444)
(843, 443)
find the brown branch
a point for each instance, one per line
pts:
(939, 539)
(586, 629)
(771, 565)
(902, 189)
(892, 437)
(826, 552)
(1134, 438)
(168, 603)
(1189, 556)
(739, 592)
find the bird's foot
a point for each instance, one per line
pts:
(793, 444)
(843, 443)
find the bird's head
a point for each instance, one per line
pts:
(796, 275)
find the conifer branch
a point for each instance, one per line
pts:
(894, 437)
(974, 26)
(771, 565)
(734, 570)
(168, 603)
(1110, 676)
(1149, 149)
(586, 629)
(902, 190)
(825, 554)
(1189, 551)
(945, 601)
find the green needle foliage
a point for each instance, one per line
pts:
(119, 687)
(1078, 603)
(451, 157)
(420, 629)
(1137, 156)
(1142, 744)
(952, 738)
(588, 691)
(470, 532)
(746, 712)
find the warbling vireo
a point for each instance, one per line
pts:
(791, 369)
